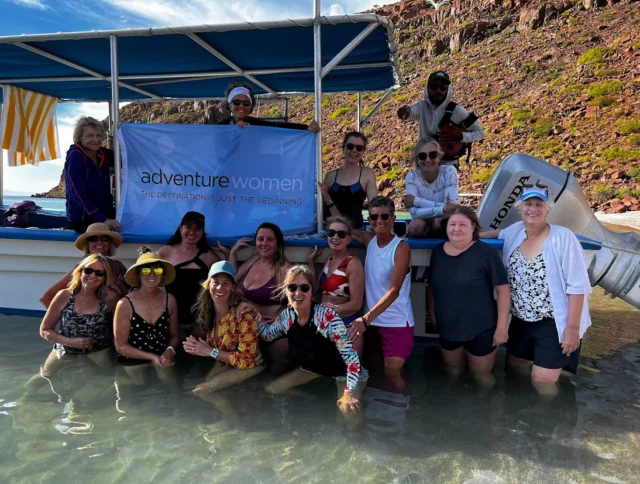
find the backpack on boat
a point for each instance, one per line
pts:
(18, 214)
(457, 149)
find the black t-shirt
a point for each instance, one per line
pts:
(463, 290)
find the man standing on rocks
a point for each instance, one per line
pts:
(442, 119)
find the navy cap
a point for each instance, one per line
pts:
(193, 218)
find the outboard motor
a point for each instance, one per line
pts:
(615, 271)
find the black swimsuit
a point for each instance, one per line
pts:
(349, 200)
(149, 337)
(186, 287)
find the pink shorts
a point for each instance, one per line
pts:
(393, 342)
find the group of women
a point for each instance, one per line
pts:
(191, 298)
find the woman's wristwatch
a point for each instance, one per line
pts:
(330, 204)
(214, 352)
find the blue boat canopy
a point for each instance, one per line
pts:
(357, 51)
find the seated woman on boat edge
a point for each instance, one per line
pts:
(341, 282)
(358, 182)
(431, 191)
(191, 256)
(98, 239)
(549, 287)
(318, 342)
(84, 316)
(138, 341)
(241, 101)
(229, 336)
(87, 177)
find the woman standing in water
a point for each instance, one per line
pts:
(342, 279)
(84, 317)
(318, 342)
(189, 252)
(549, 284)
(230, 338)
(146, 320)
(345, 189)
(260, 275)
(469, 332)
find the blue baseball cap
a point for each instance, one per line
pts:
(535, 191)
(223, 267)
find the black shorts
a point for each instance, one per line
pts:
(538, 342)
(479, 345)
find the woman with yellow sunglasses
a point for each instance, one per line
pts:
(146, 320)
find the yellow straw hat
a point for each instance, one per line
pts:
(131, 277)
(98, 229)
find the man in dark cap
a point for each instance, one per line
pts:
(442, 119)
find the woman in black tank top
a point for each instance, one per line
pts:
(346, 196)
(191, 256)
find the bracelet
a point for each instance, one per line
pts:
(214, 352)
(364, 320)
(330, 204)
(172, 350)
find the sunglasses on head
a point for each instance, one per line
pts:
(434, 155)
(237, 102)
(340, 233)
(351, 147)
(158, 271)
(88, 271)
(294, 287)
(538, 185)
(383, 216)
(101, 238)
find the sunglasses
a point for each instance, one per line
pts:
(383, 216)
(438, 87)
(538, 185)
(88, 271)
(237, 102)
(158, 271)
(101, 238)
(340, 233)
(294, 287)
(434, 155)
(351, 147)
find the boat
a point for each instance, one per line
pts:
(349, 53)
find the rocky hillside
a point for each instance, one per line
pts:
(557, 79)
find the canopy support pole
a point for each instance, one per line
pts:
(348, 48)
(377, 107)
(317, 89)
(1, 162)
(115, 113)
(79, 67)
(359, 124)
(206, 46)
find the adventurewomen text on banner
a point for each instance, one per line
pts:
(237, 177)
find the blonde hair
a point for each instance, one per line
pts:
(76, 284)
(87, 122)
(295, 271)
(422, 143)
(340, 219)
(206, 310)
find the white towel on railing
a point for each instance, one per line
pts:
(28, 130)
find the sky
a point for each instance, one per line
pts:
(46, 16)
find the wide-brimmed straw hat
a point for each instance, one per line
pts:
(131, 276)
(98, 229)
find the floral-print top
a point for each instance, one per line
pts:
(239, 336)
(329, 325)
(530, 296)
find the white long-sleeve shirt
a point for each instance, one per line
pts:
(430, 116)
(430, 198)
(566, 270)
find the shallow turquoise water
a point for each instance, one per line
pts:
(83, 428)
